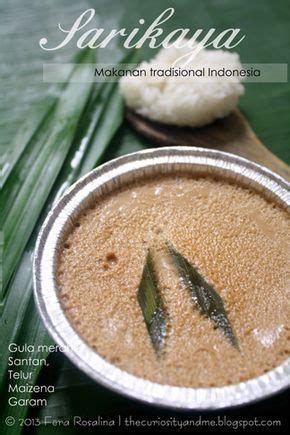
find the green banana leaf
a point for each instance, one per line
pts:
(28, 106)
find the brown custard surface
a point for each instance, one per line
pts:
(238, 241)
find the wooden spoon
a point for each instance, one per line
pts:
(232, 134)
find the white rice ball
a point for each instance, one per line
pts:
(190, 101)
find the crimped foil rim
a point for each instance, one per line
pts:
(82, 355)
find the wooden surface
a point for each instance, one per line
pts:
(232, 134)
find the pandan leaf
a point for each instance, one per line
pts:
(203, 295)
(20, 322)
(19, 218)
(151, 305)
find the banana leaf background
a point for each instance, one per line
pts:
(52, 134)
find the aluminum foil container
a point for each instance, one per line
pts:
(60, 221)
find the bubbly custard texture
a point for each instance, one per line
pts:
(238, 241)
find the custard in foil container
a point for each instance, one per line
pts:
(131, 317)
